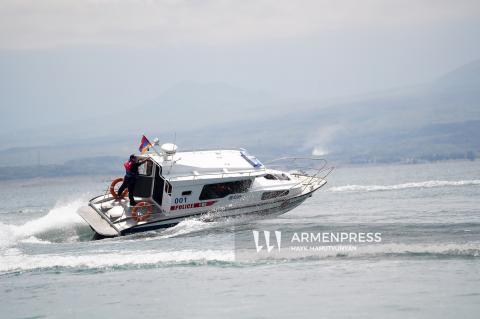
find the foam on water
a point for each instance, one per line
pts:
(15, 260)
(205, 223)
(393, 249)
(425, 184)
(34, 240)
(187, 226)
(61, 217)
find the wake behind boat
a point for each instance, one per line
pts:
(172, 186)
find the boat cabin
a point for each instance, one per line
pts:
(192, 179)
(173, 186)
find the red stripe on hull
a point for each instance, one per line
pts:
(193, 205)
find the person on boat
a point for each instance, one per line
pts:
(131, 174)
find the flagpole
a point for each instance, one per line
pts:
(152, 145)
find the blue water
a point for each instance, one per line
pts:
(427, 264)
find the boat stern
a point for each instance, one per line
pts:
(97, 222)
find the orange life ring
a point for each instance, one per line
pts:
(112, 189)
(144, 216)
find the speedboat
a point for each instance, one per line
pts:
(173, 186)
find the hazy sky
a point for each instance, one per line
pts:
(65, 60)
(148, 23)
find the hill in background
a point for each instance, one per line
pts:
(435, 121)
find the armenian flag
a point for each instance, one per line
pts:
(144, 144)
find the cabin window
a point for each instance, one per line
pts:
(186, 193)
(146, 168)
(220, 190)
(274, 194)
(281, 177)
(168, 188)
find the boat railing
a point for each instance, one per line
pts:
(210, 149)
(153, 153)
(221, 174)
(312, 172)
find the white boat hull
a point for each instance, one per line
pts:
(205, 184)
(103, 226)
(269, 209)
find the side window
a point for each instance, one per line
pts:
(270, 176)
(220, 190)
(146, 168)
(282, 177)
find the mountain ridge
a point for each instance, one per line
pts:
(398, 125)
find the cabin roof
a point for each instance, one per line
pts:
(194, 164)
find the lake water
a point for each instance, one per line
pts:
(426, 265)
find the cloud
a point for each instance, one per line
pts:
(26, 24)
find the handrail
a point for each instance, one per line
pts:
(210, 149)
(301, 167)
(255, 172)
(261, 170)
(316, 170)
(199, 150)
(222, 174)
(297, 157)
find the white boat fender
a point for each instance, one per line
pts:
(116, 212)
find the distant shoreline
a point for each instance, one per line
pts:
(108, 169)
